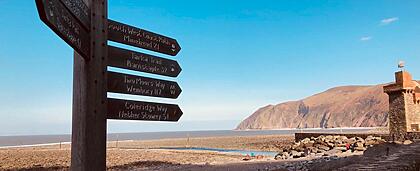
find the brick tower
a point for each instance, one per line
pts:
(404, 106)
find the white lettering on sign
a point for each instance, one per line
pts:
(151, 87)
(146, 63)
(143, 112)
(141, 34)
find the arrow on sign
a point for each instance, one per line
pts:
(123, 33)
(55, 15)
(128, 59)
(137, 85)
(137, 110)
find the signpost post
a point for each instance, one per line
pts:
(88, 148)
(85, 26)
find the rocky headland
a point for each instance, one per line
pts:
(345, 106)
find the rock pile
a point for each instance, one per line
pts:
(327, 145)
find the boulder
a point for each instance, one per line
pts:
(300, 149)
(343, 138)
(325, 148)
(305, 140)
(406, 142)
(285, 155)
(360, 148)
(350, 140)
(309, 144)
(331, 145)
(380, 140)
(340, 148)
(370, 142)
(312, 154)
(359, 144)
(333, 152)
(278, 156)
(398, 142)
(361, 140)
(296, 154)
(312, 149)
(329, 137)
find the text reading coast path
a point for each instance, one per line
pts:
(123, 33)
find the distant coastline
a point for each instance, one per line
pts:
(42, 140)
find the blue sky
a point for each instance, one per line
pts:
(236, 56)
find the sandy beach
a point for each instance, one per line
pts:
(143, 155)
(146, 155)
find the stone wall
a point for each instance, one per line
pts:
(397, 119)
(404, 106)
(412, 112)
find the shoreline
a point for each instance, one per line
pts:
(39, 140)
(141, 155)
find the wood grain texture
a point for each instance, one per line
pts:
(89, 97)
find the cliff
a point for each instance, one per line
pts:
(346, 106)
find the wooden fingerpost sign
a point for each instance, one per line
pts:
(84, 25)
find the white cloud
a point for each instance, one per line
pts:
(387, 21)
(365, 38)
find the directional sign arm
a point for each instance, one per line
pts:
(127, 59)
(56, 16)
(126, 34)
(137, 110)
(138, 85)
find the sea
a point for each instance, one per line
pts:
(39, 140)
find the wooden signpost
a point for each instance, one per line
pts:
(85, 26)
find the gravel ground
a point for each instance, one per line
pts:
(138, 155)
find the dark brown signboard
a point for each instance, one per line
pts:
(56, 16)
(79, 10)
(123, 33)
(136, 110)
(137, 85)
(137, 61)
